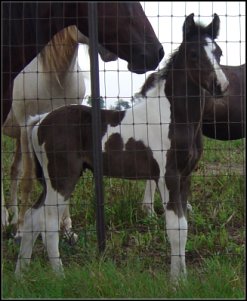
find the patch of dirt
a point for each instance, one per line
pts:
(220, 169)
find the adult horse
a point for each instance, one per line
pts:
(163, 144)
(27, 27)
(224, 118)
(52, 79)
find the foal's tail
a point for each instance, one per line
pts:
(33, 122)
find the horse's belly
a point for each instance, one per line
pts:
(130, 165)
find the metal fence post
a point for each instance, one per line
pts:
(96, 123)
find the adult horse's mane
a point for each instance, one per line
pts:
(56, 55)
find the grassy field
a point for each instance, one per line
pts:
(136, 261)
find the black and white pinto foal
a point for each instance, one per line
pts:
(159, 139)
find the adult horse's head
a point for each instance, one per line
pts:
(203, 55)
(125, 30)
(28, 26)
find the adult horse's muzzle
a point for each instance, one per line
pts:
(143, 63)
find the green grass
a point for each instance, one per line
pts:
(106, 279)
(137, 256)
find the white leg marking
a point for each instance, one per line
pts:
(33, 225)
(53, 208)
(177, 229)
(148, 200)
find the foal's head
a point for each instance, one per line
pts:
(202, 55)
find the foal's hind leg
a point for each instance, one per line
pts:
(45, 220)
(33, 225)
(28, 175)
(53, 209)
(15, 175)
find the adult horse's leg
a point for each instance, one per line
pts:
(15, 175)
(11, 129)
(7, 87)
(176, 224)
(148, 200)
(66, 225)
(4, 211)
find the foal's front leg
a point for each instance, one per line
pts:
(176, 227)
(148, 200)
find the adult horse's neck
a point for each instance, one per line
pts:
(59, 57)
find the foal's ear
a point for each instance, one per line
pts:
(213, 28)
(189, 25)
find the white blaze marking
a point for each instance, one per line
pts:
(221, 78)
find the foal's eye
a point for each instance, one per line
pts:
(193, 55)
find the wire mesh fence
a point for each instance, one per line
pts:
(159, 136)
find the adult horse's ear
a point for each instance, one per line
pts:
(214, 27)
(189, 25)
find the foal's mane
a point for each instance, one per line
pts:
(56, 55)
(162, 74)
